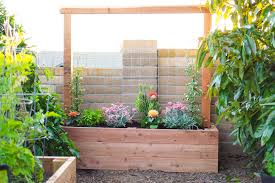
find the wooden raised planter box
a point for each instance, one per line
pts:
(59, 169)
(171, 150)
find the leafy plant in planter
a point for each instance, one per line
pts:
(244, 77)
(77, 91)
(91, 117)
(191, 97)
(57, 142)
(73, 118)
(176, 116)
(147, 101)
(118, 115)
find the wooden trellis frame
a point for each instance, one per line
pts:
(68, 63)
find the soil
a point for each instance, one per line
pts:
(232, 169)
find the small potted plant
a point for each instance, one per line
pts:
(269, 168)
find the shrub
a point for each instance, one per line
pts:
(90, 117)
(243, 80)
(176, 116)
(118, 115)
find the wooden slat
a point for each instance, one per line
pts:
(150, 163)
(133, 135)
(57, 163)
(206, 77)
(68, 63)
(66, 171)
(138, 10)
(148, 150)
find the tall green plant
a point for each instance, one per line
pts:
(245, 72)
(193, 93)
(77, 91)
(17, 132)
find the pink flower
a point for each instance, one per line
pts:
(175, 106)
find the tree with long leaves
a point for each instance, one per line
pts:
(244, 74)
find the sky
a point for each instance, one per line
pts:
(43, 24)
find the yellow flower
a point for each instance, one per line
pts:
(153, 113)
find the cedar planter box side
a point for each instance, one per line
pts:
(171, 150)
(59, 169)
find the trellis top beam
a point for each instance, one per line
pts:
(138, 10)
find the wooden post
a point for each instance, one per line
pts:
(206, 77)
(68, 63)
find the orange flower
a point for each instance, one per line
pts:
(73, 114)
(153, 113)
(153, 95)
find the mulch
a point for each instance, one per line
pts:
(232, 169)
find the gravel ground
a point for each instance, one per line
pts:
(232, 169)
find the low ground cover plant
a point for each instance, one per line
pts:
(118, 115)
(176, 116)
(91, 117)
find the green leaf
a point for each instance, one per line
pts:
(259, 131)
(266, 135)
(201, 58)
(251, 43)
(153, 126)
(208, 61)
(271, 117)
(52, 114)
(238, 93)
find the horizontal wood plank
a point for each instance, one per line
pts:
(137, 10)
(137, 135)
(147, 150)
(149, 163)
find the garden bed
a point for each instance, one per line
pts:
(171, 150)
(59, 169)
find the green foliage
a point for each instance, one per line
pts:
(178, 119)
(90, 117)
(77, 91)
(57, 143)
(18, 130)
(244, 77)
(269, 162)
(12, 25)
(144, 104)
(19, 158)
(193, 93)
(152, 123)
